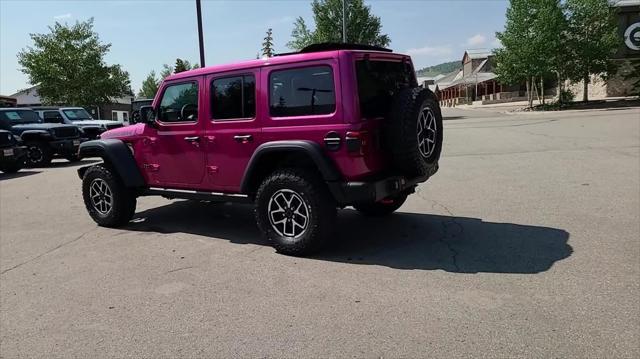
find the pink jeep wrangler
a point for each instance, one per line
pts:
(299, 135)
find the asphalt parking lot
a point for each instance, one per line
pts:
(525, 244)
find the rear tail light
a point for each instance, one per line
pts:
(357, 142)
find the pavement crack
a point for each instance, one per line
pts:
(77, 238)
(448, 232)
(179, 269)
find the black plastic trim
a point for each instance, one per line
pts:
(330, 46)
(38, 134)
(349, 193)
(116, 153)
(312, 149)
(196, 195)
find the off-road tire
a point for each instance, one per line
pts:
(318, 200)
(382, 208)
(401, 131)
(12, 167)
(43, 151)
(123, 199)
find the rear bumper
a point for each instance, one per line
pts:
(347, 193)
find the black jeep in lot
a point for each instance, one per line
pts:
(12, 155)
(42, 140)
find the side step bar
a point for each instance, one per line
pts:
(198, 195)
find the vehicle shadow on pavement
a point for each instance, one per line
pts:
(65, 163)
(402, 240)
(453, 118)
(21, 173)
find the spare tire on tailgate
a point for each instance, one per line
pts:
(413, 131)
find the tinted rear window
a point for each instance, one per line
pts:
(302, 91)
(378, 82)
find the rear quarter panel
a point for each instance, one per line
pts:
(315, 127)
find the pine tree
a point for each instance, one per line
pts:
(267, 44)
(149, 86)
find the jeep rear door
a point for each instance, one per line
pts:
(232, 127)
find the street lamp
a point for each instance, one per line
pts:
(200, 38)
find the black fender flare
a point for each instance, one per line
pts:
(29, 135)
(324, 164)
(115, 153)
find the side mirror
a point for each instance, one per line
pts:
(147, 115)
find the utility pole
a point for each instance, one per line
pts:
(200, 38)
(344, 21)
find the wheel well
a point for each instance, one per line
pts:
(274, 160)
(431, 94)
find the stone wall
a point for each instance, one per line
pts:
(616, 86)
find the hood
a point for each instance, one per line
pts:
(125, 132)
(100, 123)
(38, 126)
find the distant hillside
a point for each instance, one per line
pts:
(440, 69)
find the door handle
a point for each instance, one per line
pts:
(192, 139)
(243, 138)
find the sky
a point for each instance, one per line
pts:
(144, 34)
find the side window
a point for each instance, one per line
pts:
(52, 117)
(179, 103)
(233, 98)
(302, 91)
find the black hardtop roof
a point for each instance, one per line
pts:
(16, 109)
(35, 108)
(331, 46)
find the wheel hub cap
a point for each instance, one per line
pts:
(35, 154)
(101, 196)
(288, 213)
(427, 131)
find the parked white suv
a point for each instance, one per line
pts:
(80, 117)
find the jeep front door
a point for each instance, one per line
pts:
(175, 155)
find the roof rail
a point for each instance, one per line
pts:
(330, 46)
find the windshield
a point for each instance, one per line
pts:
(18, 117)
(378, 82)
(77, 114)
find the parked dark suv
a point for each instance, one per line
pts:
(43, 140)
(12, 155)
(299, 135)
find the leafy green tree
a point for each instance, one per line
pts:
(68, 66)
(533, 40)
(593, 40)
(149, 86)
(362, 26)
(267, 44)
